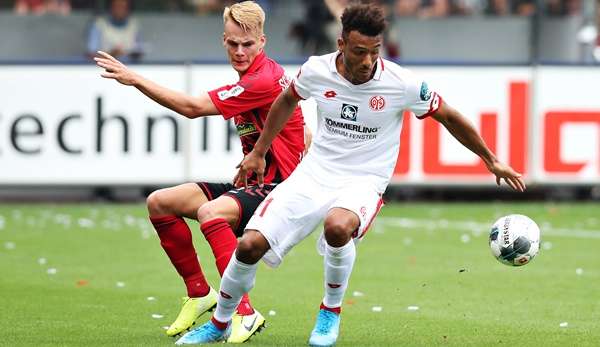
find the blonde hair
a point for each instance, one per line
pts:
(248, 15)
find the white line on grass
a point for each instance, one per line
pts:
(478, 228)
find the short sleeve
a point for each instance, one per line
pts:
(421, 100)
(246, 95)
(300, 84)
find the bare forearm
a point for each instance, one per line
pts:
(179, 102)
(468, 136)
(280, 112)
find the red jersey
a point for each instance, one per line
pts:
(248, 102)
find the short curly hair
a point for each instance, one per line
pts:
(367, 19)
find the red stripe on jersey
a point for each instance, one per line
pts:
(433, 106)
(295, 92)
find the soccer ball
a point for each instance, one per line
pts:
(515, 240)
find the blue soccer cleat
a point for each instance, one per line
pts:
(327, 329)
(207, 333)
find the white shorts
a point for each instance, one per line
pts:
(295, 207)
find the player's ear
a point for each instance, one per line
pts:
(341, 43)
(263, 41)
(224, 39)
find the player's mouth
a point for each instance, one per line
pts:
(364, 72)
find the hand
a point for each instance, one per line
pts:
(253, 162)
(510, 176)
(115, 69)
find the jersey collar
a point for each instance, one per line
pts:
(378, 68)
(259, 60)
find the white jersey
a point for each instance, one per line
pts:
(358, 127)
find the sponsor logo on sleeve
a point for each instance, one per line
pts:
(425, 92)
(226, 94)
(349, 112)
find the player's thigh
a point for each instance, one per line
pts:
(247, 199)
(361, 201)
(224, 206)
(285, 218)
(184, 199)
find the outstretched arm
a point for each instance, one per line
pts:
(188, 106)
(465, 133)
(280, 112)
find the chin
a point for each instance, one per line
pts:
(240, 69)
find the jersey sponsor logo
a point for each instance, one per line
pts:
(377, 103)
(330, 94)
(352, 127)
(226, 94)
(425, 93)
(244, 129)
(349, 112)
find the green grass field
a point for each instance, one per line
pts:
(81, 275)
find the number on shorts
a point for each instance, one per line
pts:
(266, 204)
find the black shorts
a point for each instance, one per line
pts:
(248, 199)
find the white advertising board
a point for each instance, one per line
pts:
(67, 125)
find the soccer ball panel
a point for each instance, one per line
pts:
(514, 240)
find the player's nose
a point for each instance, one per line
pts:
(368, 61)
(239, 50)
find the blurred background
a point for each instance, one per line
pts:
(524, 71)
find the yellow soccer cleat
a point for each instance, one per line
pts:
(191, 310)
(244, 327)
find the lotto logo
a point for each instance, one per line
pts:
(330, 94)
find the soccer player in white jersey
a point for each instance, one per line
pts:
(360, 100)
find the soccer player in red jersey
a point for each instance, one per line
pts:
(221, 209)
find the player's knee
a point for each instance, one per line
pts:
(338, 231)
(206, 213)
(156, 203)
(251, 249)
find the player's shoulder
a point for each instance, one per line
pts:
(394, 71)
(318, 64)
(265, 77)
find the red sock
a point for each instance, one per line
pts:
(337, 310)
(223, 242)
(219, 325)
(176, 239)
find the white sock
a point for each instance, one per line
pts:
(338, 267)
(238, 279)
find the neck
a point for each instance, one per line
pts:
(343, 70)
